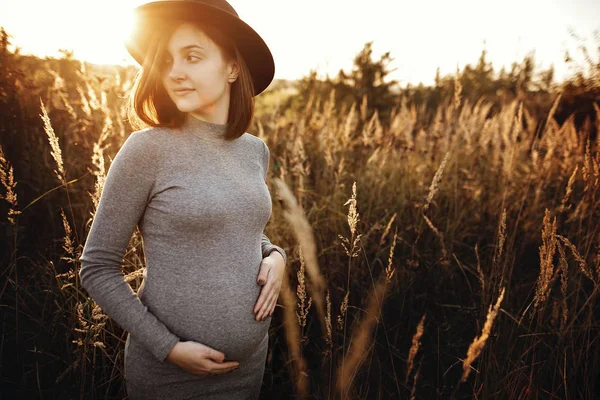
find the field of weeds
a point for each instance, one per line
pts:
(451, 258)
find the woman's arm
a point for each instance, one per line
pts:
(266, 246)
(127, 190)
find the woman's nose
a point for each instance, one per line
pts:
(176, 71)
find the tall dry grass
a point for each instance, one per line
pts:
(480, 205)
(8, 181)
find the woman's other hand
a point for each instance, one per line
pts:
(199, 359)
(270, 278)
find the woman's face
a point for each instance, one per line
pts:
(192, 61)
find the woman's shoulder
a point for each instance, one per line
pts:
(149, 144)
(154, 140)
(253, 141)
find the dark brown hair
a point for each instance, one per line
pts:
(149, 104)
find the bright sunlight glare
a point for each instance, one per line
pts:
(326, 34)
(93, 31)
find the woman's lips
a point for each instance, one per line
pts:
(183, 92)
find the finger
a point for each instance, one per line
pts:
(266, 306)
(271, 308)
(274, 302)
(220, 372)
(263, 274)
(264, 293)
(217, 356)
(275, 290)
(214, 367)
(260, 314)
(223, 371)
(267, 287)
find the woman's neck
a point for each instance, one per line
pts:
(203, 129)
(218, 113)
(219, 118)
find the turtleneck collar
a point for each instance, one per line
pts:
(205, 130)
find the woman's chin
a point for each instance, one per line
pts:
(186, 107)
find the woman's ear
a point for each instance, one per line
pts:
(233, 71)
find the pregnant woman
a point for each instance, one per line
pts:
(194, 182)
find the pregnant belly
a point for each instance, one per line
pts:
(215, 309)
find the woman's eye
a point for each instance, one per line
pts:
(167, 61)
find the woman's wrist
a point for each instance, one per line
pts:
(276, 254)
(172, 356)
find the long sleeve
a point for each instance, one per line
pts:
(127, 189)
(266, 245)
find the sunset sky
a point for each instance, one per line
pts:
(326, 34)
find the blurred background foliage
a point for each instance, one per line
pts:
(517, 148)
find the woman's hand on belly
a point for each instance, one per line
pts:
(199, 359)
(270, 278)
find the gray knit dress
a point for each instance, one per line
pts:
(201, 204)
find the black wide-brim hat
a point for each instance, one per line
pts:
(219, 13)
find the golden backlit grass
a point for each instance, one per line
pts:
(8, 181)
(437, 187)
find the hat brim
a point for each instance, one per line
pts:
(256, 53)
